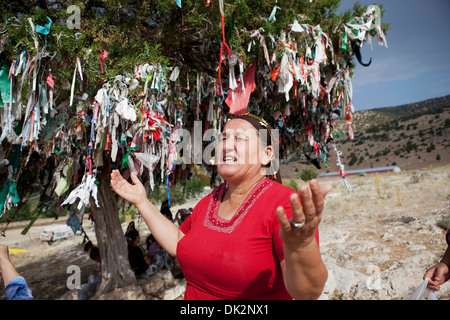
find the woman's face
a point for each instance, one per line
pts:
(239, 153)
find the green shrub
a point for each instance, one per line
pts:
(308, 174)
(176, 194)
(159, 194)
(431, 147)
(293, 184)
(193, 187)
(353, 160)
(155, 196)
(444, 223)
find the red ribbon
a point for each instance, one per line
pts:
(221, 52)
(156, 134)
(89, 160)
(51, 80)
(102, 57)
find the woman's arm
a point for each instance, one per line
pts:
(304, 272)
(165, 232)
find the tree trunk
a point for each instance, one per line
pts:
(116, 270)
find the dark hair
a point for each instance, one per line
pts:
(131, 234)
(165, 203)
(94, 253)
(184, 213)
(259, 123)
(87, 246)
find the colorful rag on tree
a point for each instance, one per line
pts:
(137, 116)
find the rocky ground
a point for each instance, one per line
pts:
(376, 242)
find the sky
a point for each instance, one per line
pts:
(416, 64)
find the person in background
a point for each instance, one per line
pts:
(16, 288)
(95, 278)
(158, 256)
(440, 272)
(139, 260)
(182, 215)
(165, 209)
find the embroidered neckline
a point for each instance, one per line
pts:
(214, 222)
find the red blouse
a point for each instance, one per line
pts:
(237, 258)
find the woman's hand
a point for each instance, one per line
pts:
(309, 211)
(134, 193)
(304, 272)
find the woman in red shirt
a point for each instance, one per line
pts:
(251, 238)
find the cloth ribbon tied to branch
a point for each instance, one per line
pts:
(222, 45)
(8, 196)
(125, 161)
(156, 123)
(341, 171)
(103, 54)
(45, 29)
(86, 189)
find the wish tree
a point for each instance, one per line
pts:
(91, 86)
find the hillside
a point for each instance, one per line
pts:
(411, 136)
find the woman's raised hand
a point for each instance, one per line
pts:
(134, 193)
(308, 211)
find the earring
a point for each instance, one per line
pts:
(274, 174)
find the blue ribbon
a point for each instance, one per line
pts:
(24, 60)
(27, 128)
(92, 133)
(45, 30)
(168, 192)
